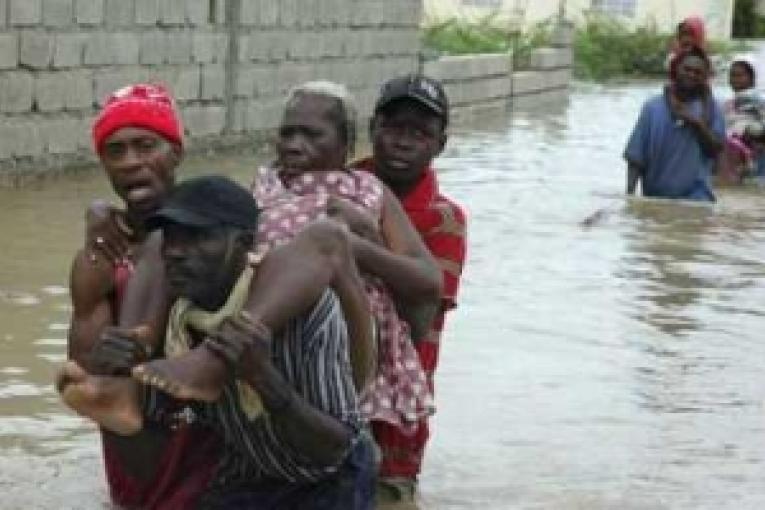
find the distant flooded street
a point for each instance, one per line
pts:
(619, 365)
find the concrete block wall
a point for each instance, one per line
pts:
(228, 62)
(477, 83)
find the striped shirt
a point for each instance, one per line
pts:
(312, 356)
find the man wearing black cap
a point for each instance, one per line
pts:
(290, 418)
(408, 130)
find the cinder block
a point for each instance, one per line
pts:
(3, 12)
(77, 90)
(249, 13)
(213, 82)
(25, 12)
(172, 13)
(269, 12)
(119, 13)
(265, 114)
(178, 46)
(126, 48)
(309, 14)
(264, 80)
(289, 13)
(47, 92)
(239, 121)
(257, 81)
(58, 13)
(221, 47)
(68, 50)
(106, 82)
(197, 12)
(146, 12)
(89, 12)
(334, 42)
(98, 50)
(183, 81)
(526, 82)
(9, 51)
(152, 48)
(254, 47)
(36, 50)
(82, 131)
(277, 45)
(343, 10)
(203, 47)
(204, 120)
(59, 135)
(244, 85)
(550, 58)
(16, 92)
(6, 140)
(24, 139)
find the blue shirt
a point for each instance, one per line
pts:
(674, 166)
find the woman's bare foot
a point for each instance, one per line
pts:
(112, 402)
(196, 375)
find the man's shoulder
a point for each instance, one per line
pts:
(655, 102)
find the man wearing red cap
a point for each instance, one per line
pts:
(408, 130)
(138, 137)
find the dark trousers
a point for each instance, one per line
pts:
(351, 488)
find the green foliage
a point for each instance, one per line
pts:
(606, 48)
(460, 37)
(746, 21)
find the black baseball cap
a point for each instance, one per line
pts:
(207, 202)
(426, 91)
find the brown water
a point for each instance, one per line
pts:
(612, 367)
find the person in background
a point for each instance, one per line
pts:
(678, 136)
(138, 137)
(690, 34)
(408, 130)
(744, 116)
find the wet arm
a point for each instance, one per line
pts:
(147, 299)
(406, 266)
(91, 284)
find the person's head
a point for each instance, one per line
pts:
(318, 129)
(741, 75)
(690, 72)
(208, 227)
(138, 137)
(691, 32)
(408, 128)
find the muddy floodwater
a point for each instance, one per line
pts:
(618, 365)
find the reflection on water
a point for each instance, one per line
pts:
(609, 366)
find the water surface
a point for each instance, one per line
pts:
(615, 366)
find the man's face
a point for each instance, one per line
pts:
(309, 138)
(200, 263)
(739, 77)
(406, 136)
(692, 74)
(140, 164)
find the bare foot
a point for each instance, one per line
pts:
(196, 375)
(112, 402)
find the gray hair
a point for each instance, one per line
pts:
(345, 115)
